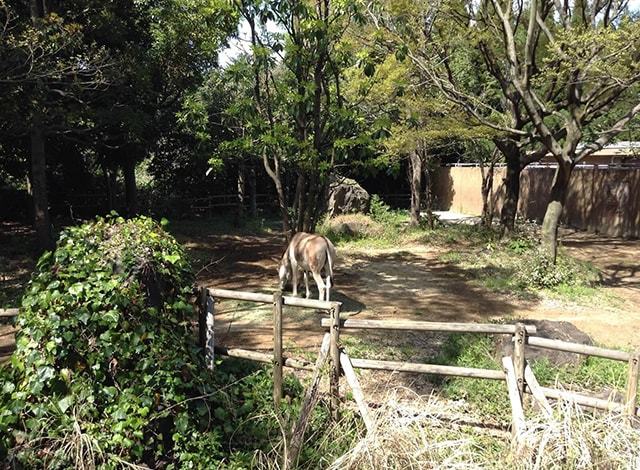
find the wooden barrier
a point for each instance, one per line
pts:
(517, 411)
(518, 361)
(335, 362)
(8, 312)
(268, 298)
(358, 396)
(517, 373)
(206, 334)
(277, 348)
(396, 366)
(558, 345)
(309, 402)
(266, 358)
(412, 325)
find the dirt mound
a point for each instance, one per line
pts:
(353, 225)
(560, 330)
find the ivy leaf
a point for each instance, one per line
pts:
(65, 403)
(173, 259)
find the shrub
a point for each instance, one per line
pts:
(539, 271)
(106, 369)
(384, 214)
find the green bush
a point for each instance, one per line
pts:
(539, 271)
(106, 369)
(384, 214)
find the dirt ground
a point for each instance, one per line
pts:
(411, 282)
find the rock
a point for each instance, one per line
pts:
(560, 330)
(346, 196)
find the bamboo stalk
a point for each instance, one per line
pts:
(309, 402)
(427, 326)
(435, 369)
(566, 346)
(352, 380)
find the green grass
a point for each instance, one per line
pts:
(378, 349)
(489, 397)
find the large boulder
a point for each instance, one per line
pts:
(346, 196)
(560, 330)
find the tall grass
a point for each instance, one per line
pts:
(575, 439)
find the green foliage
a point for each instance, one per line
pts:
(517, 265)
(382, 213)
(106, 363)
(489, 397)
(539, 271)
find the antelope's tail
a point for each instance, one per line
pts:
(331, 256)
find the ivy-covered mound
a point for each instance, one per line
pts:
(106, 369)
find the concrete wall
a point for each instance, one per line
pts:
(601, 200)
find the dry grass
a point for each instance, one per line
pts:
(421, 433)
(576, 439)
(427, 433)
(352, 226)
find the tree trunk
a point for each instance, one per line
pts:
(511, 154)
(311, 201)
(242, 189)
(487, 187)
(415, 181)
(253, 203)
(428, 197)
(298, 202)
(41, 220)
(130, 187)
(274, 174)
(109, 182)
(554, 210)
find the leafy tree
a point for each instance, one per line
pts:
(45, 71)
(590, 64)
(296, 115)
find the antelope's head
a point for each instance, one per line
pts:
(284, 270)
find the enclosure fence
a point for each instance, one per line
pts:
(516, 371)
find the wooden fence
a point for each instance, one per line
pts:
(516, 371)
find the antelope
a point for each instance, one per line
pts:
(308, 252)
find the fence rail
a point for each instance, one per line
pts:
(412, 325)
(516, 372)
(8, 312)
(585, 349)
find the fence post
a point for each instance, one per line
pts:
(277, 348)
(632, 384)
(202, 318)
(335, 361)
(210, 343)
(519, 362)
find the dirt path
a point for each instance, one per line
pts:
(412, 283)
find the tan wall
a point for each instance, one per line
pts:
(600, 200)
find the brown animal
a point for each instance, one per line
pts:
(308, 253)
